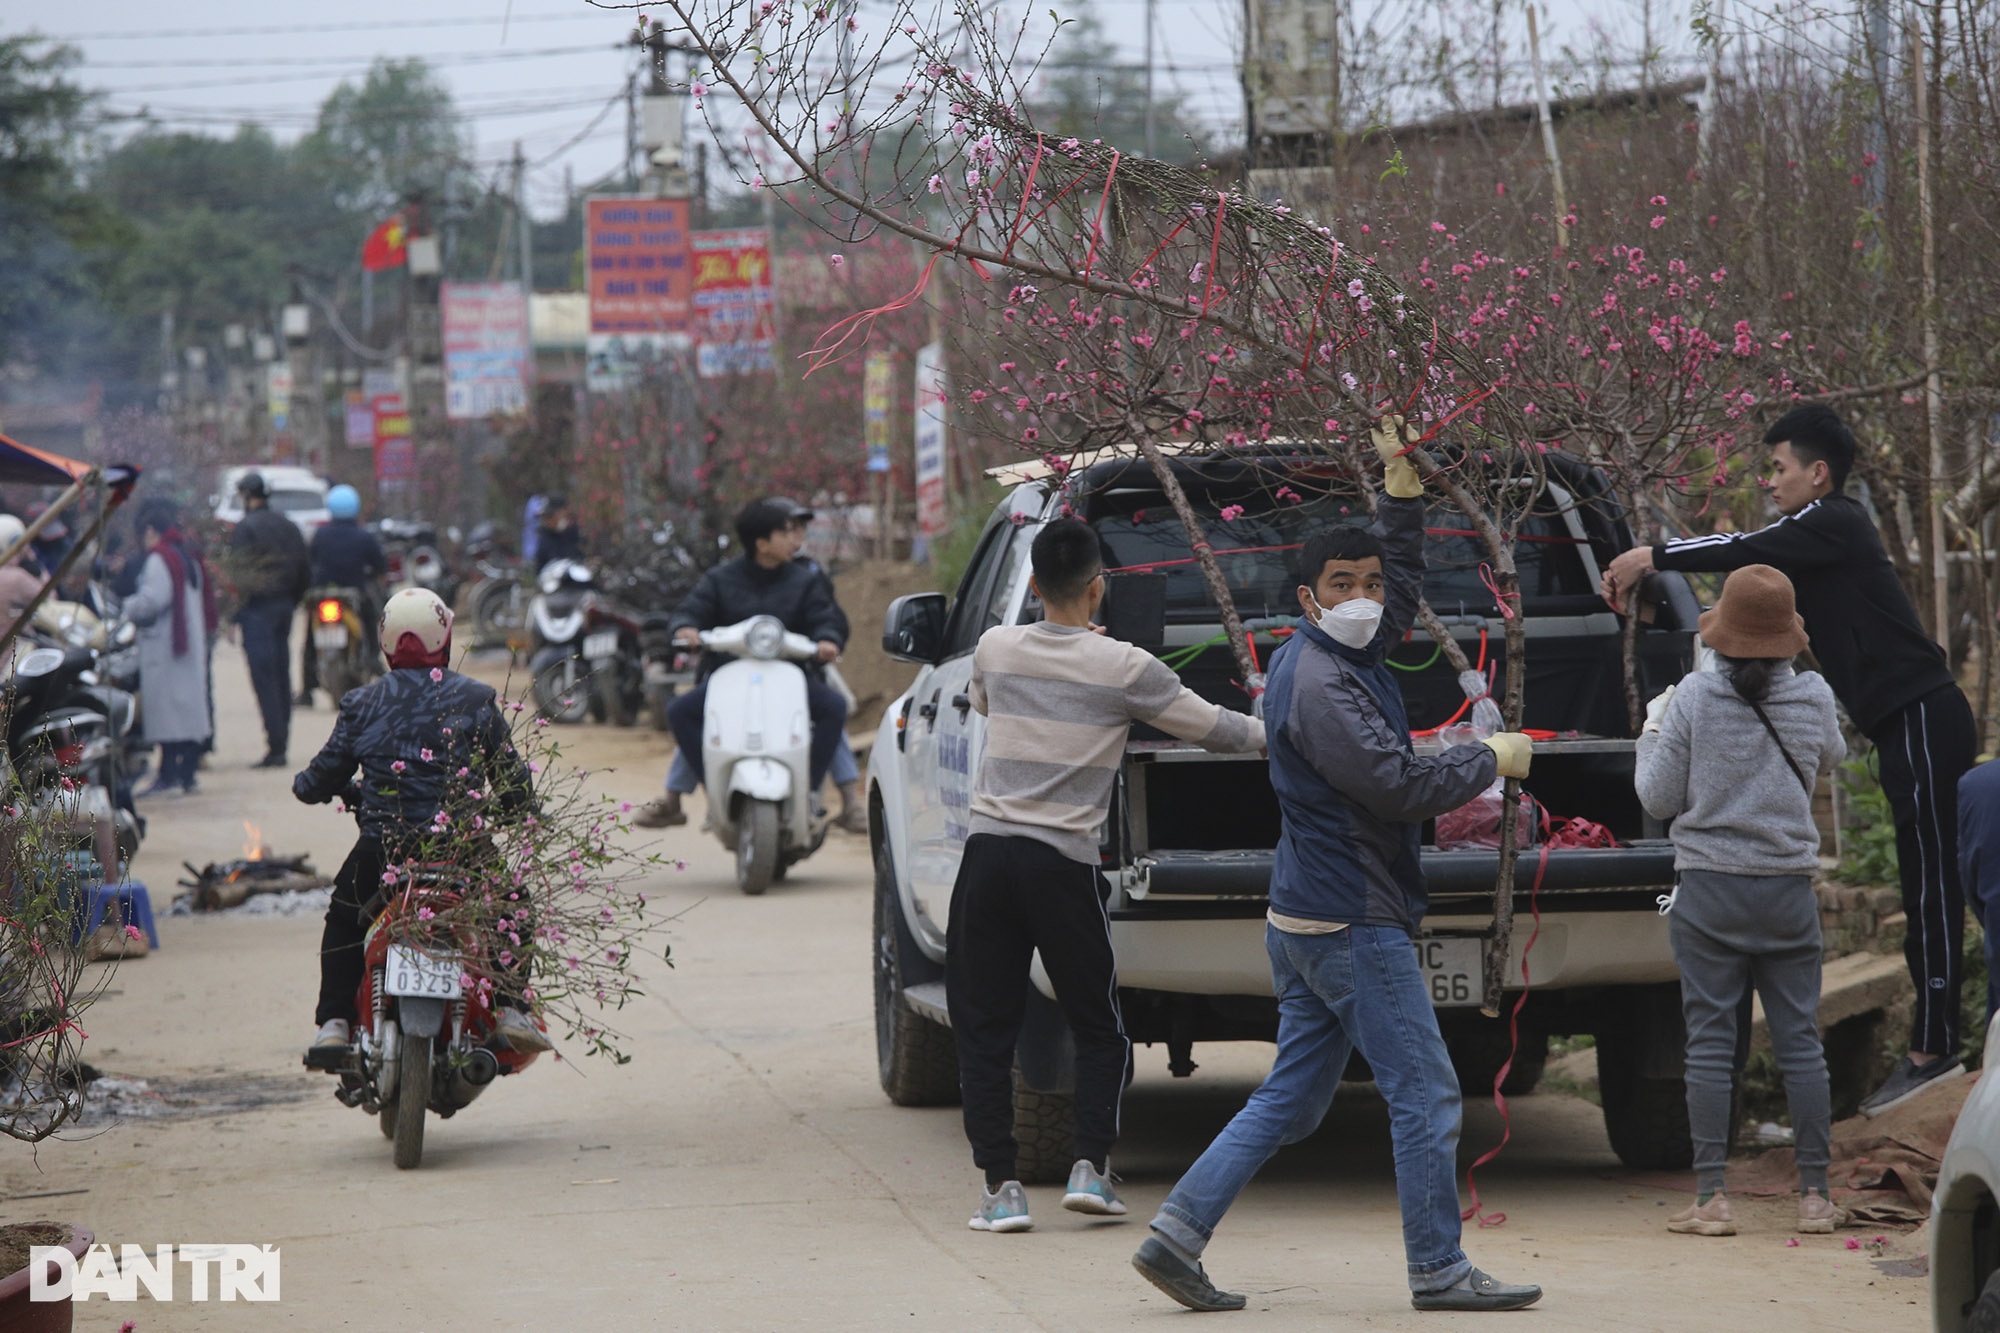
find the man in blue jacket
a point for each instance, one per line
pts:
(1346, 894)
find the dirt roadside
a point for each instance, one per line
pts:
(745, 1171)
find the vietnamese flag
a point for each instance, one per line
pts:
(386, 246)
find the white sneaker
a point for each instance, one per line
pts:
(1004, 1209)
(334, 1032)
(1090, 1191)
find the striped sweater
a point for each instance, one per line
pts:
(1059, 701)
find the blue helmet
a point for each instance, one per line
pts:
(343, 502)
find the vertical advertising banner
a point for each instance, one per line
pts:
(735, 320)
(278, 393)
(486, 354)
(640, 283)
(395, 450)
(877, 386)
(932, 391)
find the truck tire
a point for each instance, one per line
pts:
(1984, 1316)
(918, 1061)
(1640, 1058)
(1044, 1134)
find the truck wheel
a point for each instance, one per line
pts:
(918, 1059)
(1044, 1134)
(1984, 1317)
(1640, 1059)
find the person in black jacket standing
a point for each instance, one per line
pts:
(268, 558)
(1892, 679)
(764, 580)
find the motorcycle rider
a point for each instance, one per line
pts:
(764, 580)
(346, 555)
(556, 535)
(407, 733)
(845, 771)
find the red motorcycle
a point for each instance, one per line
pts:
(427, 1039)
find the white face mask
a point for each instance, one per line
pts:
(1352, 624)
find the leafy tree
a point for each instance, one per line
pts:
(50, 226)
(395, 138)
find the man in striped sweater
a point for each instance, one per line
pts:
(1059, 698)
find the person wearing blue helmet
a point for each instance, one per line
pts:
(346, 555)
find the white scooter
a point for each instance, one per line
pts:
(756, 739)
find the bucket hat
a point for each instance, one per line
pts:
(1756, 616)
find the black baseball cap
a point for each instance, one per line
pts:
(252, 484)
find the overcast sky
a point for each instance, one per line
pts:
(550, 74)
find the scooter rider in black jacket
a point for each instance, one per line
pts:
(764, 580)
(407, 733)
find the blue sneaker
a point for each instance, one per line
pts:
(1004, 1209)
(1091, 1192)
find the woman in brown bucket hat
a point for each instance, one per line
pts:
(1731, 756)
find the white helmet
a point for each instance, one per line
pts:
(11, 530)
(420, 612)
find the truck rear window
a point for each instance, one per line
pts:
(1258, 552)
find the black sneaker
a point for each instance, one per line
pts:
(1908, 1079)
(272, 760)
(1185, 1282)
(1478, 1291)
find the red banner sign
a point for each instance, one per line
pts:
(641, 280)
(735, 322)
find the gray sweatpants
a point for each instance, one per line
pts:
(1729, 931)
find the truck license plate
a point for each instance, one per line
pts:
(1451, 968)
(330, 638)
(601, 645)
(420, 974)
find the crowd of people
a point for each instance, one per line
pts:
(1731, 755)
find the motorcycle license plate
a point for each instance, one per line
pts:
(1452, 970)
(330, 638)
(601, 645)
(420, 974)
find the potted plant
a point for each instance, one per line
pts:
(18, 1314)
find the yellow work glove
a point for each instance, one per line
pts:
(1399, 474)
(1513, 750)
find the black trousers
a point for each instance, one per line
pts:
(1015, 896)
(267, 633)
(1925, 748)
(340, 951)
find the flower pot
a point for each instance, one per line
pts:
(18, 1314)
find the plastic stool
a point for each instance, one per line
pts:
(134, 903)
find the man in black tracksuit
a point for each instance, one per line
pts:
(1892, 679)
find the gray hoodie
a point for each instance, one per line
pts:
(1713, 769)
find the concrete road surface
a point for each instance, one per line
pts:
(745, 1171)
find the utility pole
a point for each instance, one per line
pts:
(1152, 7)
(523, 223)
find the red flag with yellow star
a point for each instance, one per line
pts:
(386, 247)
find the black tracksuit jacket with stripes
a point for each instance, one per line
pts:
(1865, 633)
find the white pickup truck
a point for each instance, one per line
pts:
(1187, 848)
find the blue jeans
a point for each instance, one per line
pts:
(1357, 987)
(681, 778)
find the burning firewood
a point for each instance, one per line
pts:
(223, 884)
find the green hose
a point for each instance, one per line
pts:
(1424, 665)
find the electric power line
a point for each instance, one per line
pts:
(282, 29)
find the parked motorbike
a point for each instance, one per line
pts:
(65, 742)
(558, 617)
(110, 682)
(415, 560)
(341, 640)
(756, 743)
(425, 1040)
(612, 651)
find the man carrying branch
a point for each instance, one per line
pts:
(1346, 894)
(1890, 677)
